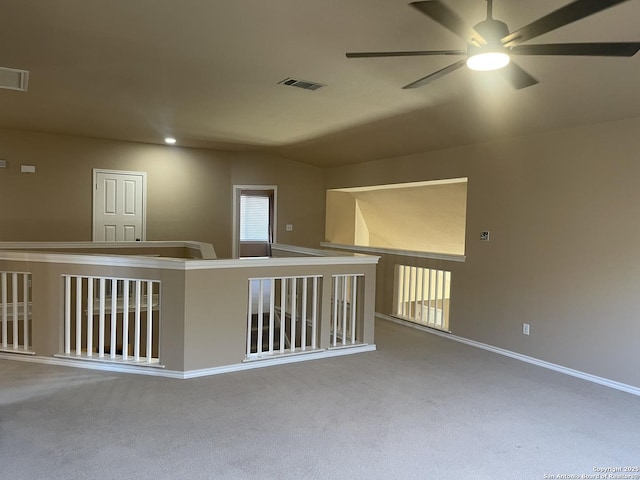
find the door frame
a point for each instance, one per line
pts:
(235, 227)
(94, 189)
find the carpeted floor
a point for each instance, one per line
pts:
(421, 407)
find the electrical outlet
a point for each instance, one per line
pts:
(525, 329)
(484, 236)
(289, 227)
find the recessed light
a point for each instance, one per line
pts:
(170, 140)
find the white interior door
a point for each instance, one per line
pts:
(119, 206)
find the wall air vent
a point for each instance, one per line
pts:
(292, 82)
(13, 79)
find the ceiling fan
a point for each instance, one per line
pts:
(490, 44)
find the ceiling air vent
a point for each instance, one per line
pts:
(13, 79)
(292, 82)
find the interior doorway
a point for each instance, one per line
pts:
(254, 220)
(119, 204)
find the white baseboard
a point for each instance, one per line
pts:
(518, 356)
(89, 365)
(160, 372)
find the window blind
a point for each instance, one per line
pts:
(254, 218)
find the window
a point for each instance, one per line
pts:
(254, 218)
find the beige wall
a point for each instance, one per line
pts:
(562, 208)
(340, 225)
(300, 194)
(189, 190)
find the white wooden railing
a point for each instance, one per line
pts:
(282, 315)
(15, 307)
(422, 295)
(345, 309)
(111, 318)
(185, 317)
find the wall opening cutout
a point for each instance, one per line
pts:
(418, 216)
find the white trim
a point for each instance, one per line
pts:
(18, 351)
(109, 360)
(104, 366)
(205, 248)
(94, 187)
(311, 252)
(390, 186)
(235, 228)
(518, 356)
(391, 251)
(160, 372)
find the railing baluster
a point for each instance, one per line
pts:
(136, 346)
(125, 319)
(445, 287)
(314, 313)
(149, 320)
(437, 295)
(4, 309)
(294, 294)
(25, 310)
(249, 317)
(334, 338)
(411, 289)
(260, 316)
(114, 317)
(303, 312)
(405, 291)
(422, 272)
(416, 287)
(429, 301)
(283, 312)
(90, 282)
(101, 319)
(272, 307)
(78, 315)
(67, 315)
(345, 304)
(354, 288)
(14, 290)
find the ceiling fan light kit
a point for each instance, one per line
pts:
(490, 44)
(485, 61)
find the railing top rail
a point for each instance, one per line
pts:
(390, 251)
(179, 263)
(206, 249)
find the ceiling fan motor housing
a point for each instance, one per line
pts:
(492, 31)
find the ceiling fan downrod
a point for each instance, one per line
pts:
(489, 9)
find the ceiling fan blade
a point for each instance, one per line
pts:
(435, 75)
(518, 77)
(404, 54)
(563, 16)
(619, 49)
(439, 12)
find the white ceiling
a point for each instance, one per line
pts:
(207, 72)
